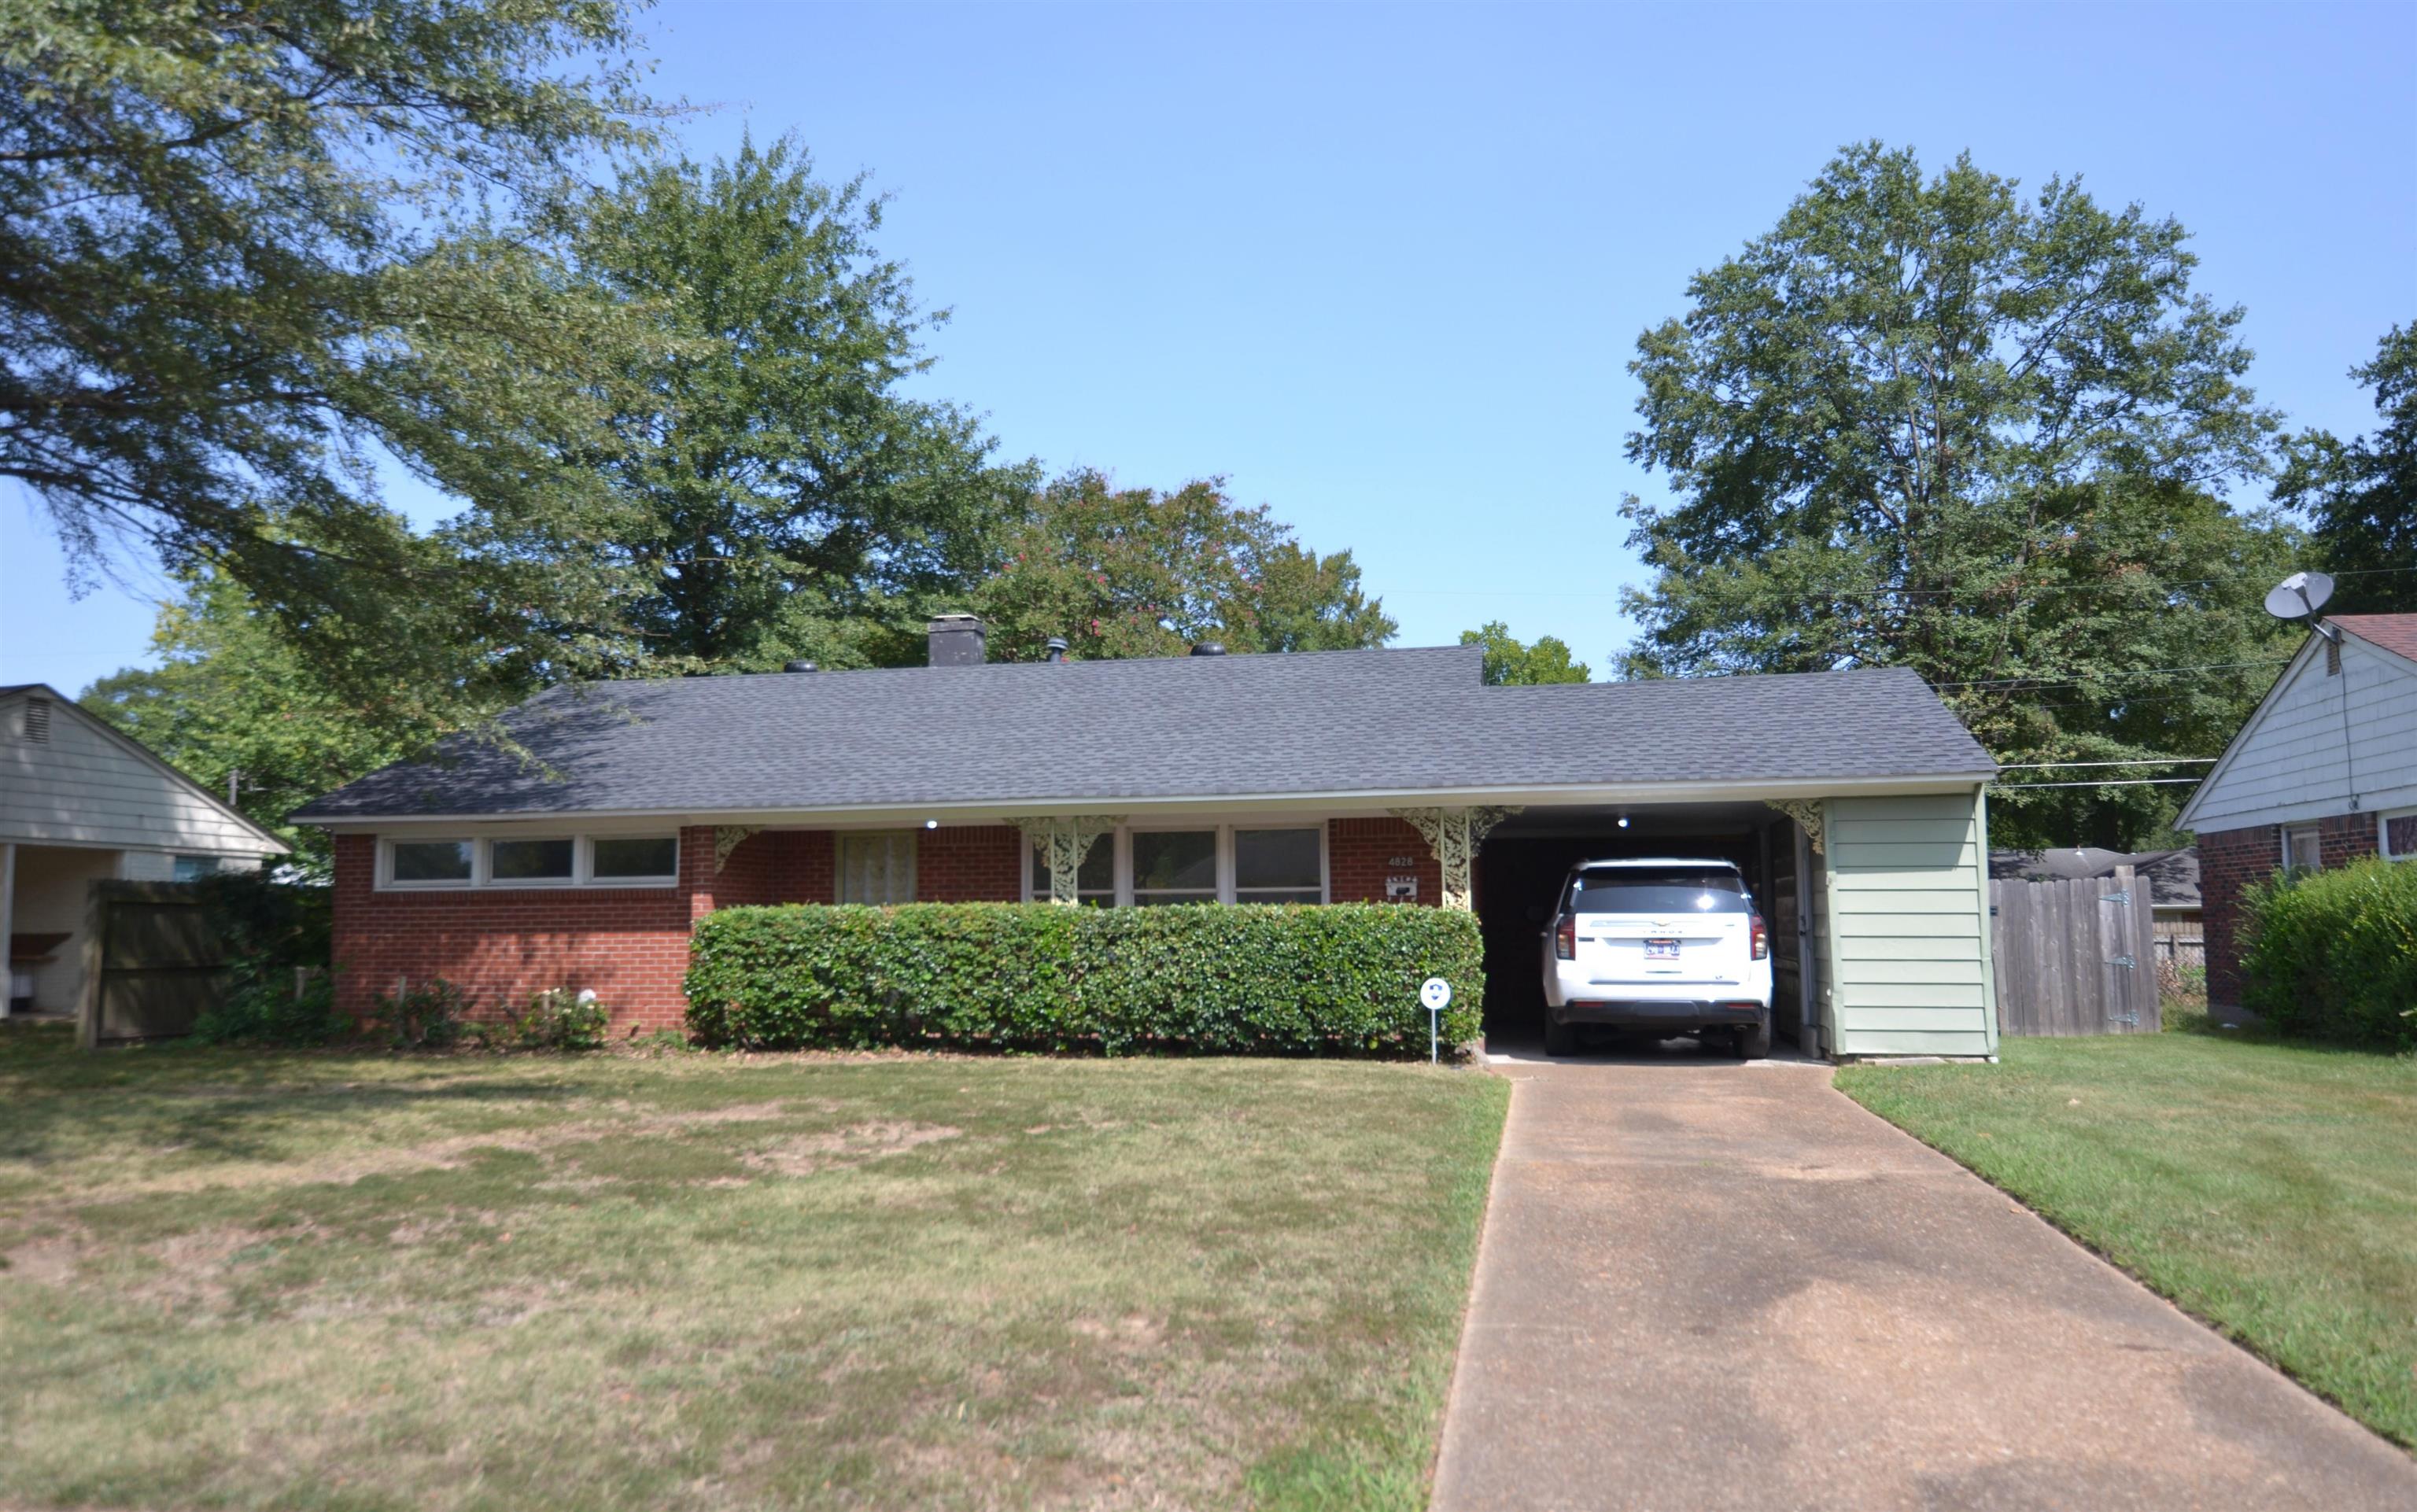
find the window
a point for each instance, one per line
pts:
(1660, 890)
(2396, 835)
(1278, 866)
(524, 861)
(1095, 880)
(194, 867)
(423, 862)
(2303, 849)
(653, 858)
(877, 866)
(1173, 866)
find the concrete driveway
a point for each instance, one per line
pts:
(1706, 1284)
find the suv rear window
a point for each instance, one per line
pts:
(1659, 890)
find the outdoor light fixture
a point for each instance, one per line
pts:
(931, 824)
(1623, 821)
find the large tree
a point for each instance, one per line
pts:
(771, 489)
(1510, 663)
(2361, 493)
(1135, 572)
(232, 697)
(1928, 422)
(250, 250)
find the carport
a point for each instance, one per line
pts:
(1523, 859)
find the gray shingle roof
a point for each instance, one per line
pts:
(1328, 722)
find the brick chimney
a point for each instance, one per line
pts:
(956, 641)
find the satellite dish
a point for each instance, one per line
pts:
(2299, 596)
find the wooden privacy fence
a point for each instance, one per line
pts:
(153, 961)
(2074, 958)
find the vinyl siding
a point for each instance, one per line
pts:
(1906, 970)
(85, 787)
(2288, 763)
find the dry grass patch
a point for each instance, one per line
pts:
(362, 1282)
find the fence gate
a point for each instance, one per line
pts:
(152, 961)
(2074, 958)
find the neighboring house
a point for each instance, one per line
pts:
(79, 803)
(2325, 771)
(631, 809)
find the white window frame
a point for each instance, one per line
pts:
(2287, 831)
(1121, 838)
(482, 877)
(2383, 834)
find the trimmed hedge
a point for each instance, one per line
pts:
(1250, 979)
(2332, 955)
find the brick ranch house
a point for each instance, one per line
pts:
(2324, 772)
(1854, 800)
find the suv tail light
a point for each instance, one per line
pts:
(1565, 938)
(1761, 938)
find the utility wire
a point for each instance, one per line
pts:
(2156, 761)
(2116, 782)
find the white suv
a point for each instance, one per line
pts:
(1673, 947)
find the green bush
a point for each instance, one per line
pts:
(2332, 955)
(261, 1008)
(1212, 979)
(432, 1015)
(560, 1018)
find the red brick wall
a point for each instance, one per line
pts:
(969, 864)
(1361, 853)
(629, 945)
(2231, 860)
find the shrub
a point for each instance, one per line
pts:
(1250, 979)
(429, 1016)
(263, 1007)
(2332, 955)
(560, 1018)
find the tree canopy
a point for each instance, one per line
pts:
(2361, 493)
(1509, 663)
(769, 490)
(1928, 422)
(251, 249)
(1135, 572)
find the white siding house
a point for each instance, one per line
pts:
(81, 803)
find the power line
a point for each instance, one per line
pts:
(2155, 761)
(2114, 782)
(2023, 684)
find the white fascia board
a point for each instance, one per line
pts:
(1347, 804)
(2185, 820)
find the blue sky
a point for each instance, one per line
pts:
(1383, 267)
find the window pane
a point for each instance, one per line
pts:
(431, 861)
(1097, 875)
(1185, 860)
(878, 868)
(2400, 836)
(194, 867)
(1157, 899)
(1309, 896)
(2306, 853)
(1275, 858)
(530, 861)
(650, 857)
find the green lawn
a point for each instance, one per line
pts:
(2269, 1188)
(357, 1280)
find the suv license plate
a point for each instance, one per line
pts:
(1660, 949)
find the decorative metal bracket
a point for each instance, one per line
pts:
(1065, 840)
(728, 838)
(1807, 814)
(1455, 835)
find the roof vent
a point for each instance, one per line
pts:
(956, 639)
(1209, 648)
(38, 721)
(1057, 648)
(799, 666)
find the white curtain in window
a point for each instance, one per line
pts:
(878, 868)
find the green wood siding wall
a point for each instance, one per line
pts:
(1907, 971)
